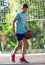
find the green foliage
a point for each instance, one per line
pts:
(6, 31)
(38, 35)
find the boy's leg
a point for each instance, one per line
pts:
(15, 50)
(25, 43)
(19, 45)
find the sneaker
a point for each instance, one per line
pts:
(23, 60)
(13, 58)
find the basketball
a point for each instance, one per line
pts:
(28, 34)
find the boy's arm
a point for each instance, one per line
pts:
(14, 25)
(26, 28)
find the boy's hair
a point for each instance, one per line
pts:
(25, 6)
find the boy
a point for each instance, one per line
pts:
(19, 30)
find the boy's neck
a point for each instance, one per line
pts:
(23, 11)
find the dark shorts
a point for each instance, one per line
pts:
(19, 36)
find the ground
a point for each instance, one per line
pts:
(34, 59)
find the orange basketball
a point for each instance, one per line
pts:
(28, 34)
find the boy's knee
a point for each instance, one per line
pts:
(20, 44)
(25, 44)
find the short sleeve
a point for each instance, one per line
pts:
(17, 16)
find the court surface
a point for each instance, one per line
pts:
(34, 59)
